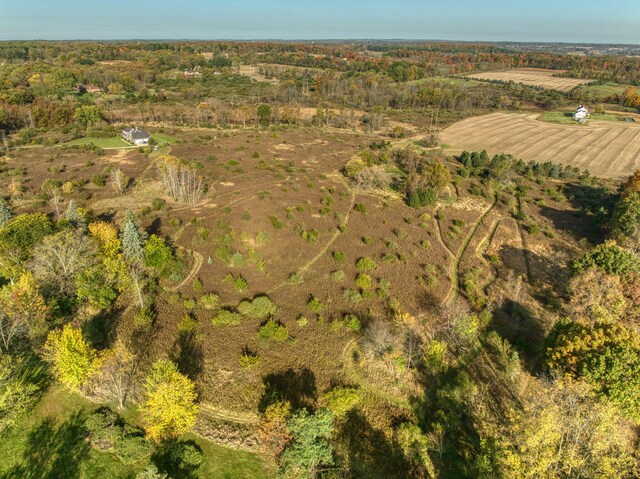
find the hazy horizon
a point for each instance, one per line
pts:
(547, 21)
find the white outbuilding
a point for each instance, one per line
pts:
(581, 114)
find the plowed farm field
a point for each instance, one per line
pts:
(532, 76)
(607, 149)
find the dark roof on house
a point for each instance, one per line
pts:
(137, 133)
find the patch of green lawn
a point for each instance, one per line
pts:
(111, 142)
(600, 92)
(163, 139)
(566, 118)
(50, 442)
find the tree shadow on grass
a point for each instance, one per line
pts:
(368, 451)
(100, 329)
(444, 412)
(178, 459)
(296, 387)
(53, 451)
(523, 329)
(188, 355)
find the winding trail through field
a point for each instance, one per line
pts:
(454, 290)
(328, 244)
(197, 264)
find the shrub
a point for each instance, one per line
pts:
(339, 256)
(340, 400)
(187, 324)
(360, 207)
(248, 359)
(273, 330)
(276, 223)
(158, 254)
(366, 264)
(352, 322)
(310, 236)
(99, 180)
(363, 281)
(337, 275)
(302, 321)
(197, 285)
(295, 278)
(209, 301)
(237, 259)
(315, 304)
(189, 303)
(352, 295)
(258, 308)
(225, 317)
(238, 282)
(144, 318)
(158, 203)
(422, 197)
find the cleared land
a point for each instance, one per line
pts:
(532, 76)
(607, 149)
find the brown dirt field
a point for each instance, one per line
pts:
(607, 149)
(532, 76)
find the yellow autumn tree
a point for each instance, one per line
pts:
(170, 409)
(562, 432)
(73, 360)
(110, 247)
(23, 311)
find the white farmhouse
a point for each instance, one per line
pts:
(136, 136)
(581, 114)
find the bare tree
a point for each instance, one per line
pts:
(119, 180)
(56, 201)
(59, 258)
(117, 374)
(138, 282)
(182, 180)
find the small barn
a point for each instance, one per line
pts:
(136, 135)
(581, 114)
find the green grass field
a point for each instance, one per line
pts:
(51, 442)
(601, 92)
(566, 118)
(115, 142)
(111, 142)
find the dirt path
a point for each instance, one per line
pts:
(454, 291)
(327, 245)
(197, 264)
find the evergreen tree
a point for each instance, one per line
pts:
(75, 216)
(5, 212)
(311, 449)
(132, 240)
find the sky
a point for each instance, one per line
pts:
(588, 21)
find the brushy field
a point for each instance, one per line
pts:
(607, 149)
(531, 76)
(280, 221)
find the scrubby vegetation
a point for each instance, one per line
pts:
(302, 281)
